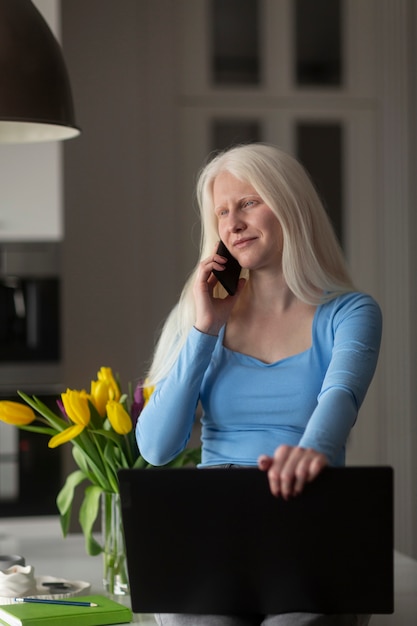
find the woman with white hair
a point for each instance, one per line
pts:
(281, 368)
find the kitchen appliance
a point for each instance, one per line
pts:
(30, 361)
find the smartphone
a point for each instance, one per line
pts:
(229, 277)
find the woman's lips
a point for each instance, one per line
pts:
(242, 243)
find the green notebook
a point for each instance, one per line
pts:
(107, 612)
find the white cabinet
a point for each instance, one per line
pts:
(31, 178)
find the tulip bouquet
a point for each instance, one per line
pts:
(100, 425)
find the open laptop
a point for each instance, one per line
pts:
(216, 541)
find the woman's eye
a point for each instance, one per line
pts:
(249, 203)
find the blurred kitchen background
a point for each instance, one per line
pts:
(97, 234)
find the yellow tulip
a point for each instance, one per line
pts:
(65, 435)
(77, 409)
(119, 418)
(16, 413)
(106, 375)
(147, 392)
(100, 395)
(76, 406)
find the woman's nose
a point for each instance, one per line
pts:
(236, 223)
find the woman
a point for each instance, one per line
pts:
(280, 368)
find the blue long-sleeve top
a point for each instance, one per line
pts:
(250, 407)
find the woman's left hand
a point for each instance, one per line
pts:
(291, 468)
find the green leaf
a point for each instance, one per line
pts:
(44, 430)
(109, 454)
(36, 404)
(92, 454)
(81, 460)
(88, 514)
(65, 498)
(189, 456)
(109, 434)
(115, 457)
(111, 466)
(193, 455)
(95, 418)
(141, 463)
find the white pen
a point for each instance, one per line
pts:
(68, 602)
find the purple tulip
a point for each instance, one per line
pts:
(138, 403)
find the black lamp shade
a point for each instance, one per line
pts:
(35, 93)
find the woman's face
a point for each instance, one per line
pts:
(247, 226)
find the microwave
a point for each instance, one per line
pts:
(29, 303)
(30, 361)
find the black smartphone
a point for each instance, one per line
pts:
(229, 277)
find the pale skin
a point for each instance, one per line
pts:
(263, 319)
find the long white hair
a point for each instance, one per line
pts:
(312, 260)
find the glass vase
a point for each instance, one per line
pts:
(115, 577)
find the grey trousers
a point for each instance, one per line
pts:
(285, 619)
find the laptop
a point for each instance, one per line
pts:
(215, 541)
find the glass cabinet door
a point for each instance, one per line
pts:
(324, 138)
(318, 49)
(277, 48)
(295, 73)
(235, 43)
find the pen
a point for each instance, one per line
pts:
(68, 602)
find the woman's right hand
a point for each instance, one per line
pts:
(212, 313)
(291, 468)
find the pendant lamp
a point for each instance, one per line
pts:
(35, 93)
